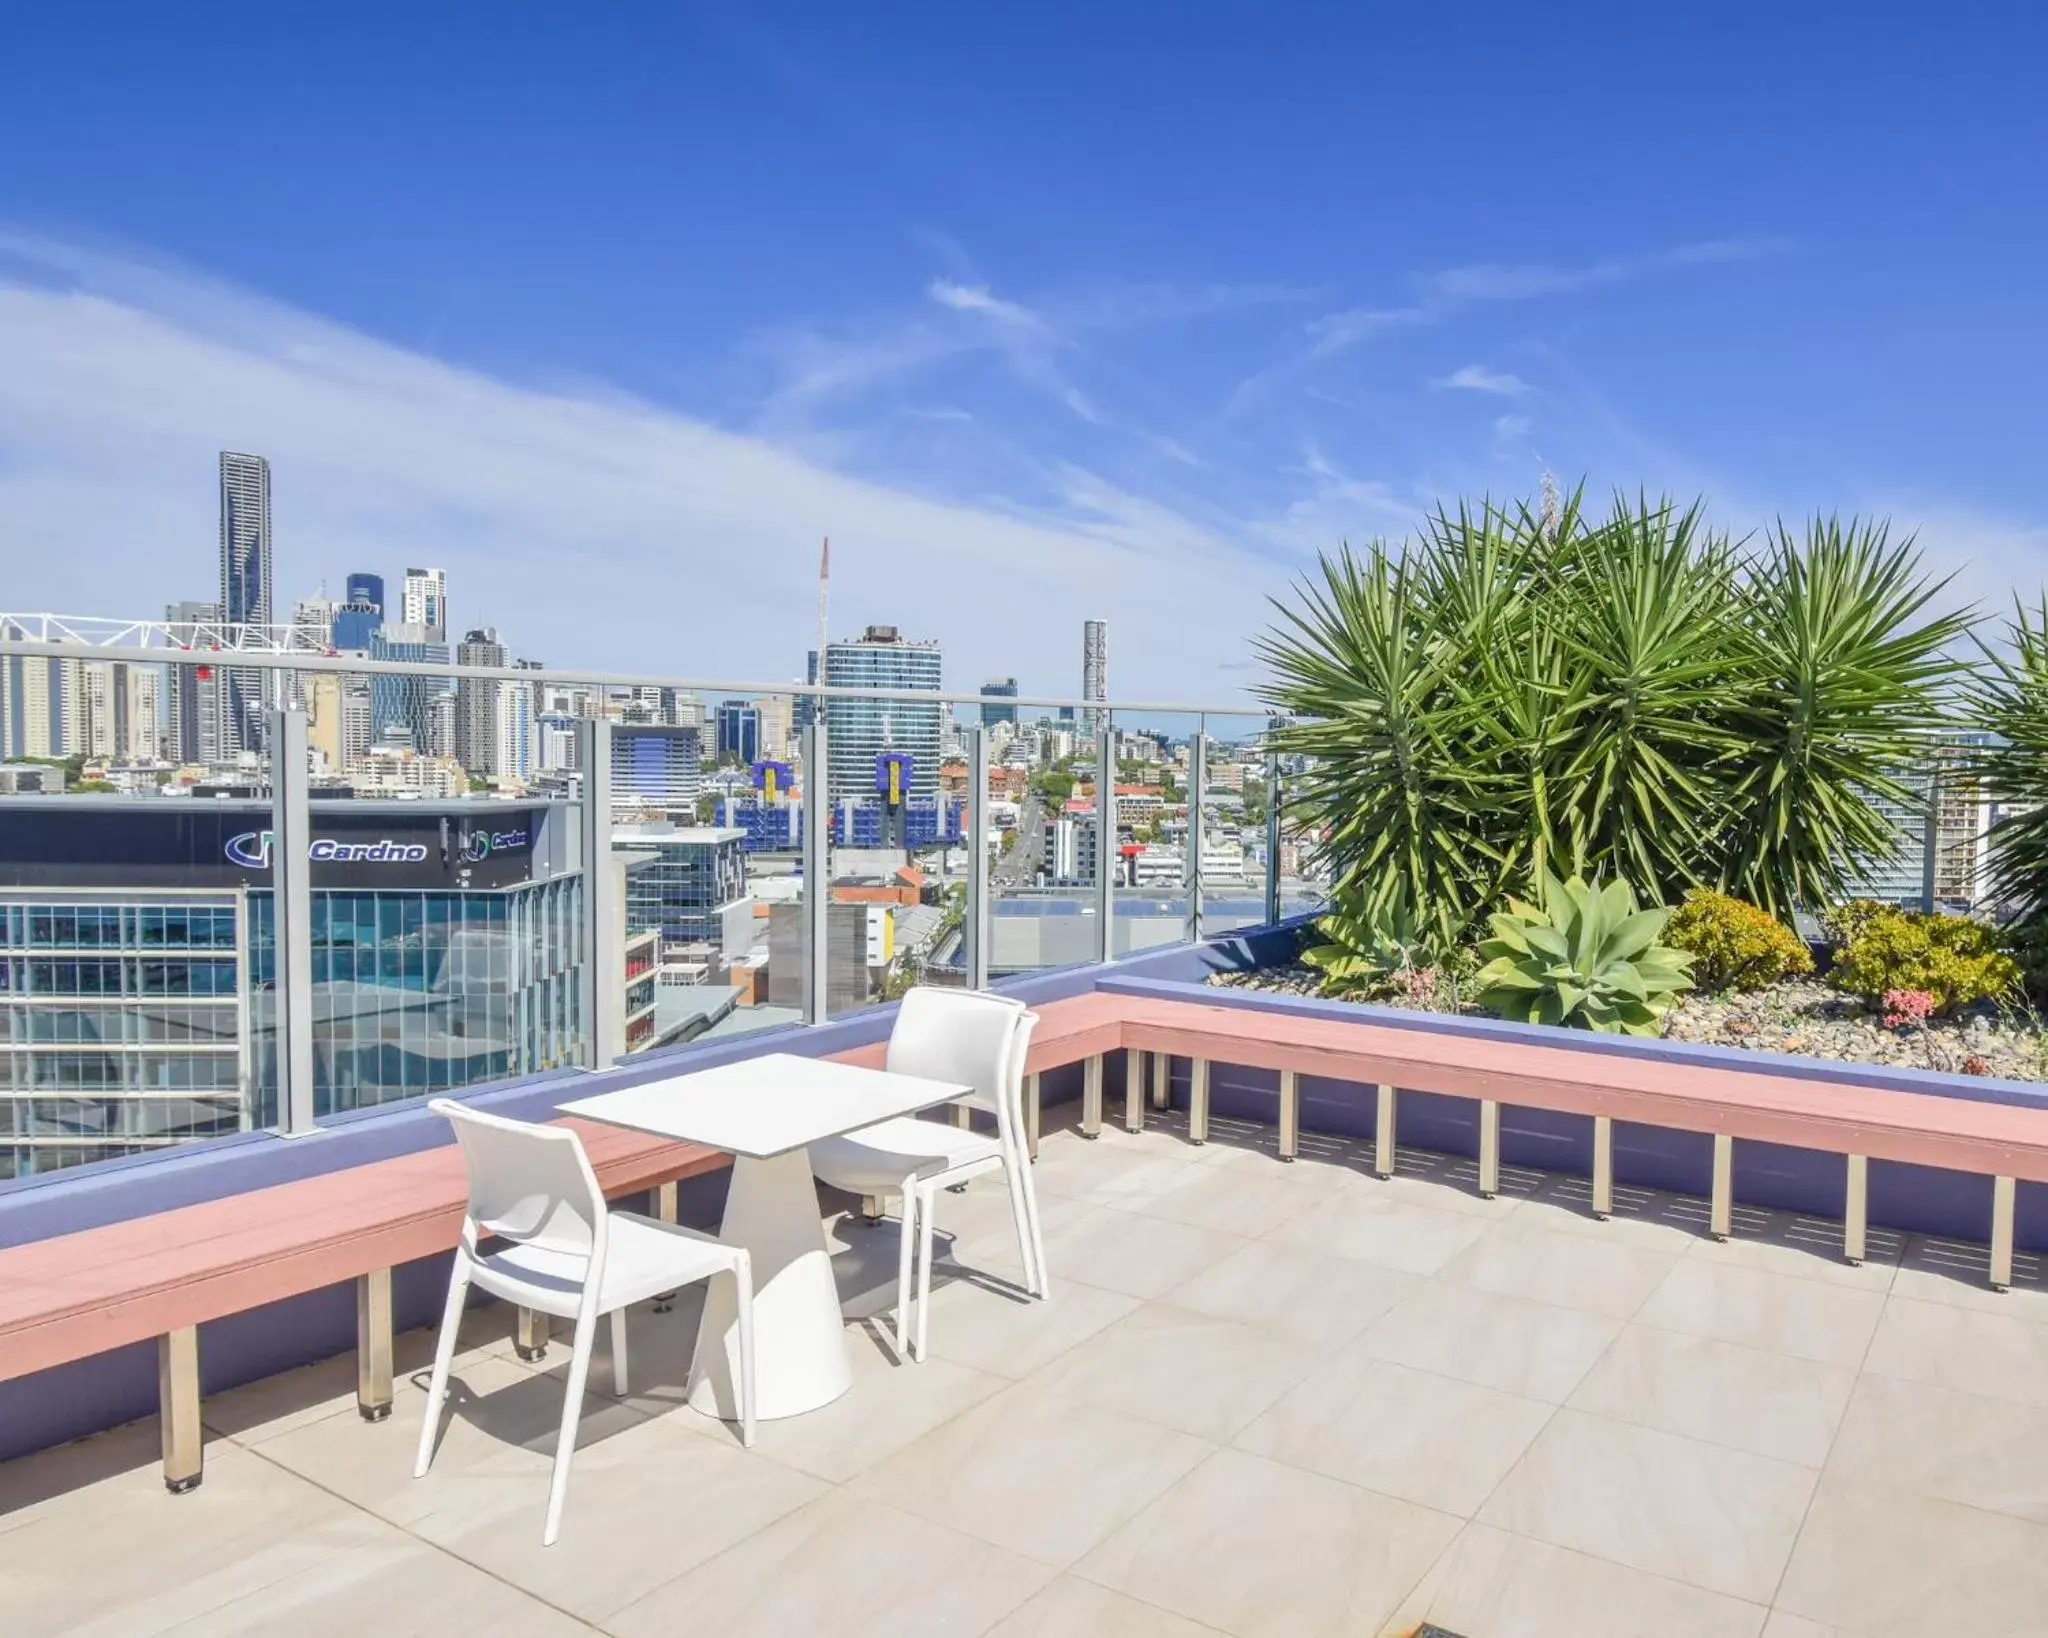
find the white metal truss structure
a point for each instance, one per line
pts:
(221, 636)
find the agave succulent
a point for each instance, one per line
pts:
(1585, 957)
(1365, 947)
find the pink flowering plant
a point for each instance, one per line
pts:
(1907, 1009)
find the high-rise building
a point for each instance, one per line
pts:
(40, 709)
(858, 731)
(245, 591)
(413, 703)
(998, 688)
(1094, 672)
(776, 720)
(194, 694)
(117, 706)
(477, 703)
(519, 749)
(739, 733)
(656, 768)
(426, 601)
(365, 589)
(806, 707)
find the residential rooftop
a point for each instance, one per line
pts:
(1264, 1399)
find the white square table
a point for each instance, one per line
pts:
(764, 1112)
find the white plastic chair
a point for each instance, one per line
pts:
(568, 1255)
(971, 1038)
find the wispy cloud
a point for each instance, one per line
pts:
(978, 299)
(1444, 294)
(591, 527)
(1478, 378)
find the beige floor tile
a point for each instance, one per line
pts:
(1530, 1348)
(1407, 1433)
(110, 1550)
(1600, 1276)
(1132, 1183)
(1073, 1608)
(1263, 1550)
(1703, 1514)
(1641, 1217)
(1232, 1199)
(1951, 1347)
(1438, 1183)
(1204, 1376)
(1781, 1314)
(1392, 1233)
(1770, 1404)
(1133, 1252)
(323, 1583)
(1988, 1453)
(1505, 1586)
(1959, 1273)
(1006, 1335)
(1809, 1248)
(1886, 1564)
(1034, 1473)
(846, 1565)
(890, 1405)
(1309, 1295)
(1783, 1625)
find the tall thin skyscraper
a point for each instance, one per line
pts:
(426, 600)
(860, 730)
(245, 594)
(1094, 671)
(476, 703)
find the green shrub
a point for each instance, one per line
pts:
(1842, 922)
(1954, 959)
(1585, 957)
(1364, 948)
(1734, 946)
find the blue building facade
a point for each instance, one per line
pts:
(739, 732)
(656, 767)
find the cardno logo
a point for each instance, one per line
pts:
(252, 850)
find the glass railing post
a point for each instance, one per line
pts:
(291, 896)
(977, 928)
(1272, 827)
(1106, 860)
(817, 855)
(604, 938)
(1198, 780)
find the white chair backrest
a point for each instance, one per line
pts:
(527, 1183)
(963, 1036)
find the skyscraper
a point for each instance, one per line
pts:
(413, 703)
(366, 589)
(476, 703)
(245, 594)
(195, 699)
(655, 768)
(998, 688)
(858, 731)
(739, 732)
(426, 601)
(1094, 671)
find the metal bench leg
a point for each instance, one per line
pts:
(1721, 1204)
(963, 1117)
(1162, 1080)
(1489, 1148)
(373, 1345)
(530, 1338)
(1290, 1114)
(1134, 1090)
(2002, 1192)
(1091, 1098)
(1603, 1167)
(1383, 1135)
(177, 1388)
(1856, 1210)
(1198, 1100)
(1033, 1107)
(665, 1209)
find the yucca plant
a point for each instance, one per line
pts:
(1361, 948)
(2011, 700)
(1583, 956)
(1849, 675)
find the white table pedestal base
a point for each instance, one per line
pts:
(800, 1357)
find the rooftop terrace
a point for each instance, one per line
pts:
(1264, 1399)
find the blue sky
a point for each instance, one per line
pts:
(1041, 312)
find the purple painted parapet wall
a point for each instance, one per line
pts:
(1917, 1199)
(65, 1403)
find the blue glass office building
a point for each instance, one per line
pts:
(739, 732)
(137, 964)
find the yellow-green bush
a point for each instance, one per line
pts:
(1954, 959)
(1735, 946)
